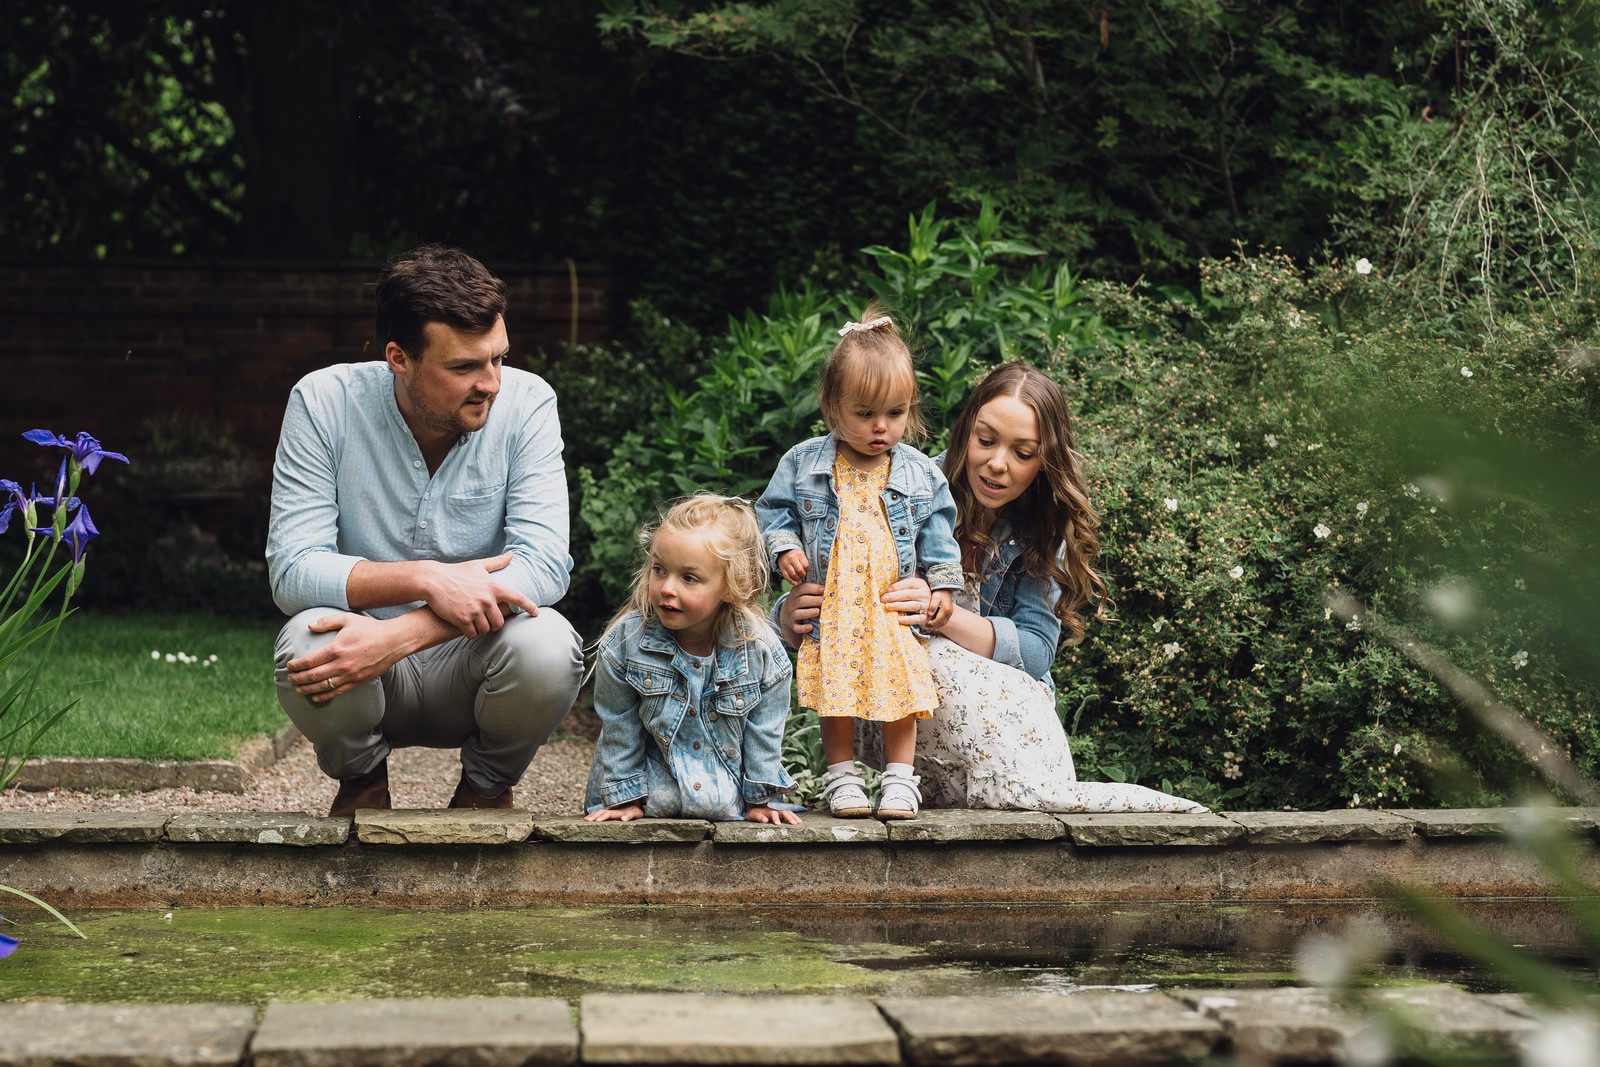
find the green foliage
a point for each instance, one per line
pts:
(1264, 457)
(1136, 139)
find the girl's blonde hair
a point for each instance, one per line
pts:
(728, 525)
(872, 364)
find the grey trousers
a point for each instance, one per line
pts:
(498, 697)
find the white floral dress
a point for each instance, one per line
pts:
(994, 741)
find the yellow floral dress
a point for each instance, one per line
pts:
(866, 665)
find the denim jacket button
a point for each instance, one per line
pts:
(697, 785)
(697, 746)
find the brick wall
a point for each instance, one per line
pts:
(103, 347)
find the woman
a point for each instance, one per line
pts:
(1027, 536)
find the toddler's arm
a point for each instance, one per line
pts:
(778, 514)
(940, 604)
(617, 772)
(938, 555)
(764, 778)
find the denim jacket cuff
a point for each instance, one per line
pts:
(623, 791)
(945, 576)
(1007, 649)
(755, 792)
(779, 543)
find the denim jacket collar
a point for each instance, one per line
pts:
(729, 663)
(822, 466)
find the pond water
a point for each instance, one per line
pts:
(256, 955)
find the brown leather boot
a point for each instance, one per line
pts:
(370, 790)
(468, 797)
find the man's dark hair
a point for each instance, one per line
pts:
(435, 284)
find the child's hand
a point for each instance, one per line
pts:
(940, 606)
(762, 813)
(626, 813)
(793, 565)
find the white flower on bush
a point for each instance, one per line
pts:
(1321, 530)
(1271, 439)
(1158, 624)
(1236, 573)
(1466, 372)
(1172, 649)
(1411, 490)
(1363, 265)
(1293, 319)
(1171, 502)
(1397, 748)
(1520, 584)
(183, 657)
(1361, 509)
(1519, 659)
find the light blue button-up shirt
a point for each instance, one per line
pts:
(350, 484)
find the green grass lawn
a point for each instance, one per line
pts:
(134, 704)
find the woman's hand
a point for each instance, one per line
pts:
(909, 599)
(803, 604)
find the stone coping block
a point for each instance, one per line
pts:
(125, 1035)
(1579, 818)
(258, 828)
(87, 827)
(468, 1032)
(571, 829)
(222, 776)
(1305, 827)
(1111, 1028)
(690, 1028)
(1114, 829)
(815, 829)
(451, 826)
(1450, 1018)
(1287, 1024)
(961, 824)
(1464, 822)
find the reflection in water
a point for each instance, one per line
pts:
(255, 955)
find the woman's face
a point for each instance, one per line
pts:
(1003, 453)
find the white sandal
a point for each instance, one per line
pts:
(846, 795)
(898, 796)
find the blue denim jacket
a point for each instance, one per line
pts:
(800, 509)
(642, 694)
(1020, 607)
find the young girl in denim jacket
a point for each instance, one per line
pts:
(858, 510)
(691, 684)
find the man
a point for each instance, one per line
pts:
(418, 538)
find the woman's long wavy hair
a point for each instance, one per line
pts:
(1053, 518)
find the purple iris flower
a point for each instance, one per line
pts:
(8, 945)
(16, 499)
(77, 533)
(86, 449)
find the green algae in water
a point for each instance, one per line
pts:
(258, 955)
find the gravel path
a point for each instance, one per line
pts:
(418, 778)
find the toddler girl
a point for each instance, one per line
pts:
(690, 682)
(858, 510)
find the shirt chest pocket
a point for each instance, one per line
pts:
(474, 499)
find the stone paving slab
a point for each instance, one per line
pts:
(1579, 818)
(696, 1029)
(1463, 822)
(1450, 1018)
(1306, 827)
(960, 824)
(258, 828)
(467, 1032)
(571, 829)
(1112, 1028)
(815, 829)
(221, 776)
(89, 827)
(125, 1035)
(1283, 1025)
(451, 826)
(1114, 829)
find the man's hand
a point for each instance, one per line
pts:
(363, 649)
(793, 565)
(803, 604)
(466, 595)
(626, 813)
